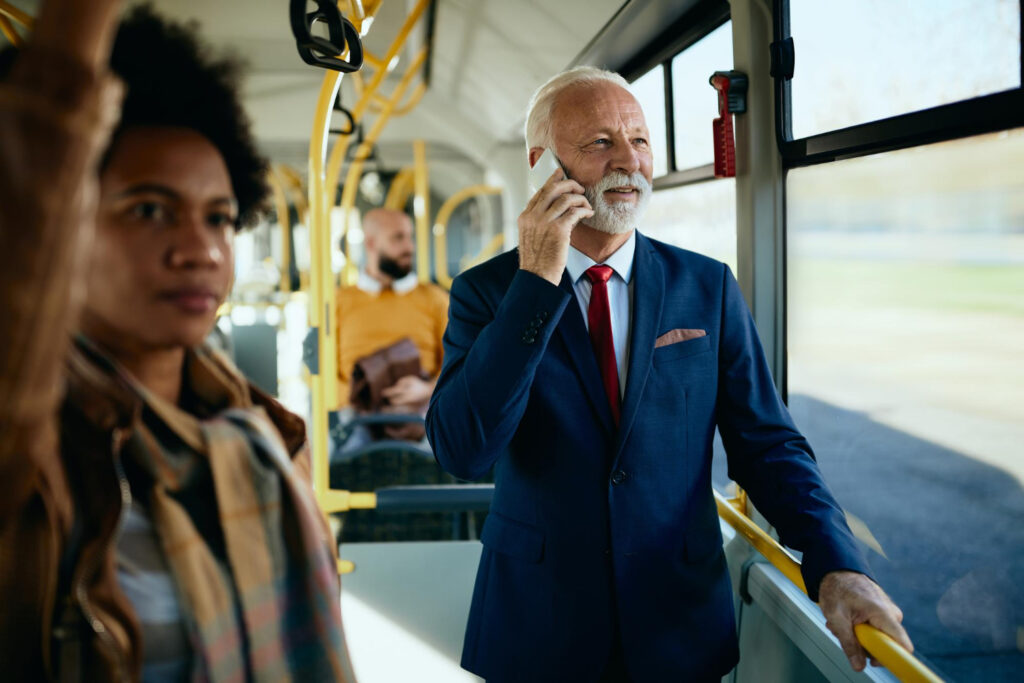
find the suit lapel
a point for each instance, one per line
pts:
(648, 294)
(573, 332)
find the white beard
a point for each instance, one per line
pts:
(616, 218)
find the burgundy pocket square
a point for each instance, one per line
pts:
(678, 335)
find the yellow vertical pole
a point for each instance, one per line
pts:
(421, 209)
(11, 33)
(285, 222)
(321, 313)
(20, 16)
(355, 170)
(337, 157)
(398, 193)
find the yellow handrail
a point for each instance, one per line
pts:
(372, 60)
(337, 157)
(323, 382)
(297, 189)
(421, 210)
(358, 13)
(355, 169)
(400, 189)
(20, 16)
(11, 33)
(489, 250)
(414, 99)
(285, 222)
(378, 102)
(887, 651)
(441, 228)
(762, 542)
(321, 310)
(322, 186)
(337, 500)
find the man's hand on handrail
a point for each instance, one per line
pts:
(850, 598)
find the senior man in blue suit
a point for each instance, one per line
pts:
(590, 367)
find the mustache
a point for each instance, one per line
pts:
(619, 179)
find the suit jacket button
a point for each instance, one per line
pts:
(529, 337)
(618, 476)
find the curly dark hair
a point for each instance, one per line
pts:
(172, 79)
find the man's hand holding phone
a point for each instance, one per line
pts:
(546, 224)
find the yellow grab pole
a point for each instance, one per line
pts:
(414, 99)
(325, 380)
(20, 16)
(761, 541)
(341, 146)
(298, 192)
(398, 192)
(355, 170)
(421, 210)
(285, 222)
(378, 102)
(444, 214)
(372, 60)
(11, 33)
(892, 656)
(340, 501)
(370, 7)
(489, 250)
(741, 501)
(290, 175)
(358, 13)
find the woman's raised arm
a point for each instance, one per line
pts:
(57, 108)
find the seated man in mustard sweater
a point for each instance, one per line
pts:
(388, 303)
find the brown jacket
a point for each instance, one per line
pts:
(62, 422)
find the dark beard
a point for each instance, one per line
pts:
(392, 268)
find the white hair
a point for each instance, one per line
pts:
(542, 104)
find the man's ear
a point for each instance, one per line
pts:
(535, 153)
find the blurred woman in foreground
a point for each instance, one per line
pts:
(156, 514)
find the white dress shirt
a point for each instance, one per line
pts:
(620, 296)
(401, 286)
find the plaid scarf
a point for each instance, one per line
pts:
(256, 577)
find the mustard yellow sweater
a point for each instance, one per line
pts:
(370, 321)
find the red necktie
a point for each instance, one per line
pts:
(599, 318)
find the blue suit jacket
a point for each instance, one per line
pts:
(590, 523)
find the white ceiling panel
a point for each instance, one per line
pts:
(488, 57)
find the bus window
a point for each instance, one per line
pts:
(649, 90)
(906, 372)
(699, 217)
(866, 60)
(695, 105)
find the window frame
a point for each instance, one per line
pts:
(703, 18)
(965, 118)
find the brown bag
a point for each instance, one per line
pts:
(374, 373)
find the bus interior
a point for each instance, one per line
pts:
(859, 166)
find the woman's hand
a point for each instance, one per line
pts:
(81, 31)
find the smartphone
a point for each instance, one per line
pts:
(542, 170)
